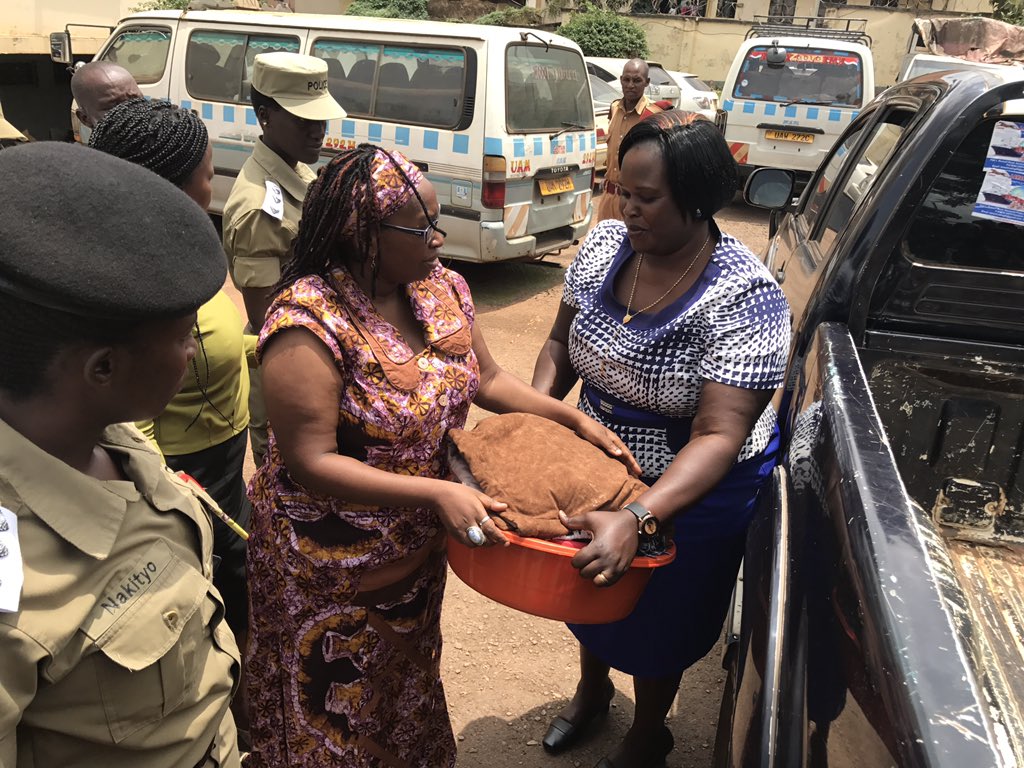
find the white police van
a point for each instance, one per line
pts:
(500, 119)
(791, 92)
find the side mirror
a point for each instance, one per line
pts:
(60, 47)
(776, 56)
(770, 188)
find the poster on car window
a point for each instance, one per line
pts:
(1001, 197)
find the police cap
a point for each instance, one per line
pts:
(99, 237)
(298, 83)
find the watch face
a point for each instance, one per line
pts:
(650, 525)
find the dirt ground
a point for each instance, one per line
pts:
(507, 673)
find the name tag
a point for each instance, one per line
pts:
(129, 587)
(12, 573)
(273, 200)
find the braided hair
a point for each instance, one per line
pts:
(171, 142)
(331, 207)
(156, 134)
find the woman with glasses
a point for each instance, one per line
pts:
(369, 355)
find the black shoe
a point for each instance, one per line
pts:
(563, 734)
(665, 744)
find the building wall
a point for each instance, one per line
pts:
(25, 25)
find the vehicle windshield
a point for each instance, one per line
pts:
(546, 90)
(697, 84)
(659, 76)
(603, 93)
(140, 50)
(809, 76)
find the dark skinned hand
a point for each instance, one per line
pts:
(607, 557)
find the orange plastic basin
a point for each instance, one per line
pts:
(536, 576)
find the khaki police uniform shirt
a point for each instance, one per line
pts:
(618, 126)
(261, 217)
(117, 655)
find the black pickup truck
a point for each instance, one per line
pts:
(882, 612)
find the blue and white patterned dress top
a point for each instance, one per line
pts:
(731, 327)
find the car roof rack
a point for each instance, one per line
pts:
(847, 30)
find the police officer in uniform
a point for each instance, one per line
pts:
(114, 651)
(261, 216)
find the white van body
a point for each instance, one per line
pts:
(695, 95)
(916, 64)
(500, 119)
(662, 87)
(789, 117)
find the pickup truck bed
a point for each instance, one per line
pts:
(955, 421)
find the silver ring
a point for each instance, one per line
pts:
(475, 535)
(602, 577)
(486, 519)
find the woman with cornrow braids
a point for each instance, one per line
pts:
(370, 354)
(202, 432)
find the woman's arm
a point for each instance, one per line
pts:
(501, 392)
(302, 387)
(725, 416)
(553, 373)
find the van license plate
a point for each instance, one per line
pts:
(801, 138)
(556, 186)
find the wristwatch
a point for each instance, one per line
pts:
(646, 523)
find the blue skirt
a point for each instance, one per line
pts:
(679, 616)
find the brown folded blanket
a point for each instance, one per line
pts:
(538, 467)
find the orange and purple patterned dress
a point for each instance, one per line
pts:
(340, 674)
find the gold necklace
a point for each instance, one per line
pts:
(639, 263)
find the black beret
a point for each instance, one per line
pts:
(90, 234)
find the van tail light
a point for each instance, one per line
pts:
(601, 135)
(492, 194)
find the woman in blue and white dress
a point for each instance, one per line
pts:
(680, 336)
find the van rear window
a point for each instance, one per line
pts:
(823, 76)
(546, 90)
(405, 84)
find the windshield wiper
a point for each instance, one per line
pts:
(812, 102)
(568, 127)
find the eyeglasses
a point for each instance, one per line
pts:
(427, 233)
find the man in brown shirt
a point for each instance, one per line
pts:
(625, 113)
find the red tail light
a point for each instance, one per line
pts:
(600, 134)
(492, 194)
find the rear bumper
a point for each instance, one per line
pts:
(495, 246)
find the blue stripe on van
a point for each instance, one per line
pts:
(402, 136)
(186, 104)
(834, 115)
(853, 116)
(727, 105)
(519, 147)
(430, 139)
(375, 133)
(748, 108)
(348, 129)
(769, 110)
(790, 112)
(250, 116)
(538, 147)
(492, 146)
(207, 111)
(812, 113)
(460, 144)
(229, 114)
(570, 143)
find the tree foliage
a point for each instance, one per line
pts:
(160, 5)
(1010, 11)
(390, 9)
(600, 32)
(511, 17)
